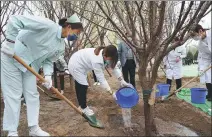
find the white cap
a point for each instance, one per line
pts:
(73, 19)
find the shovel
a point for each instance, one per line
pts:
(91, 119)
(187, 83)
(52, 97)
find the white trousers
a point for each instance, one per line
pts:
(14, 83)
(204, 64)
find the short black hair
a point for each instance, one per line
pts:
(62, 21)
(198, 28)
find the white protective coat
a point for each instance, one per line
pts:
(38, 42)
(173, 68)
(84, 61)
(204, 57)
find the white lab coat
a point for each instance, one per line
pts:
(84, 61)
(204, 57)
(38, 42)
(173, 68)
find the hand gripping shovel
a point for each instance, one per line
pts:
(52, 97)
(91, 119)
(187, 83)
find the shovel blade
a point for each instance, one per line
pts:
(93, 121)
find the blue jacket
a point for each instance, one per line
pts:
(37, 41)
(122, 52)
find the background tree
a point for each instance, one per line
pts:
(189, 58)
(195, 56)
(147, 23)
(152, 26)
(9, 8)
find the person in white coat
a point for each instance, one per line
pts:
(96, 59)
(173, 65)
(39, 42)
(203, 37)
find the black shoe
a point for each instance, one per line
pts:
(209, 99)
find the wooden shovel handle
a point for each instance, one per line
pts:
(108, 72)
(187, 83)
(43, 80)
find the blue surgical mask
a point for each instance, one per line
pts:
(107, 62)
(72, 37)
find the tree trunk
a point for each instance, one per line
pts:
(150, 127)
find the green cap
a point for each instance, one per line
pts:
(73, 19)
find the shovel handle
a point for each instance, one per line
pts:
(108, 72)
(43, 80)
(187, 83)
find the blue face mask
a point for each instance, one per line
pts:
(107, 62)
(72, 37)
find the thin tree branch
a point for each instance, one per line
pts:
(161, 19)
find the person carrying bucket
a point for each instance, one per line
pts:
(173, 65)
(39, 42)
(96, 59)
(203, 36)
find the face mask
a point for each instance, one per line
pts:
(107, 62)
(72, 37)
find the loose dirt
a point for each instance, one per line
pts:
(173, 117)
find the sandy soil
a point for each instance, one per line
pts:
(59, 119)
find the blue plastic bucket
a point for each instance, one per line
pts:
(127, 97)
(157, 93)
(198, 95)
(163, 89)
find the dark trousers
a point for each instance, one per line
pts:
(81, 91)
(209, 87)
(178, 83)
(129, 68)
(94, 77)
(55, 78)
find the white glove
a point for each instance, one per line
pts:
(67, 72)
(7, 50)
(48, 83)
(113, 94)
(125, 84)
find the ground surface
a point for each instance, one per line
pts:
(59, 119)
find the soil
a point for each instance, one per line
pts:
(59, 119)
